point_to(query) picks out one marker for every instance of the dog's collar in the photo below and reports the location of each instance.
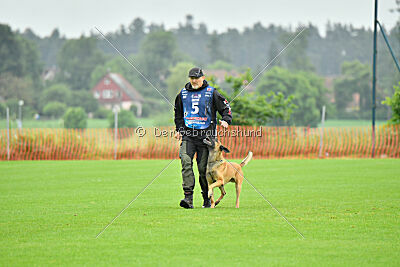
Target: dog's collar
(216, 161)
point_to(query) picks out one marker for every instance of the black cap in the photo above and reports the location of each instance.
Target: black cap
(196, 73)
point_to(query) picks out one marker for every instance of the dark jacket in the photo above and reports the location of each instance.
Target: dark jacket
(219, 103)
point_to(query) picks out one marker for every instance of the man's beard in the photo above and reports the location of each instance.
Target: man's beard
(195, 86)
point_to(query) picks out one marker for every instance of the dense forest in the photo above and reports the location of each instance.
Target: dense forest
(334, 65)
(249, 48)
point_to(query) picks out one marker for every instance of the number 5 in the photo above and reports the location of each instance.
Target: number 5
(195, 107)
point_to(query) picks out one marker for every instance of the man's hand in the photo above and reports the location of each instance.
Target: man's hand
(177, 135)
(224, 124)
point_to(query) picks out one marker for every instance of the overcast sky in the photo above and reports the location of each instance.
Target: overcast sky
(74, 17)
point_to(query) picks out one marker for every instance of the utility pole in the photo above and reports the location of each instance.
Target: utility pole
(374, 80)
(20, 104)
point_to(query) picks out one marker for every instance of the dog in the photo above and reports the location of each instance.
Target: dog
(219, 171)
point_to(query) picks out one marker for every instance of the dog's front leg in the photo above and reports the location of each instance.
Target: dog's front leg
(218, 183)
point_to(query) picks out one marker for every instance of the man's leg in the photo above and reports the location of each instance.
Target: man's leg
(202, 158)
(186, 153)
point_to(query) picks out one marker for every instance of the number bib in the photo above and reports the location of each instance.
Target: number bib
(197, 107)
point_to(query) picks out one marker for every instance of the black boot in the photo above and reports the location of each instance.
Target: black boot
(187, 202)
(206, 201)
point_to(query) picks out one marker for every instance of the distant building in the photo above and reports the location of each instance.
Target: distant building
(49, 73)
(113, 90)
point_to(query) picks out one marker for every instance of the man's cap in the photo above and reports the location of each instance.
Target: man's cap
(196, 73)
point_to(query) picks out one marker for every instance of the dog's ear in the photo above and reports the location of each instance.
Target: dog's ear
(222, 148)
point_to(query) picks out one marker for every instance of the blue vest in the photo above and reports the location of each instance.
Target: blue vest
(197, 107)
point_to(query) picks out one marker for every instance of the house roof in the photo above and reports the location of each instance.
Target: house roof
(125, 86)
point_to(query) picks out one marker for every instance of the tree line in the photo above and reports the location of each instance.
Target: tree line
(290, 92)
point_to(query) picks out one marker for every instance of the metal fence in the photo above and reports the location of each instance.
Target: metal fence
(158, 143)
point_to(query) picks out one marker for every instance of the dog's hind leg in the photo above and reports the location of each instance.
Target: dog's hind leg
(223, 193)
(212, 202)
(238, 185)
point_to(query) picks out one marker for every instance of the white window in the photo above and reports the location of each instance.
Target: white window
(107, 94)
(106, 81)
(96, 94)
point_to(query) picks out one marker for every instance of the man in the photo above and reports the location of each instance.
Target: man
(196, 109)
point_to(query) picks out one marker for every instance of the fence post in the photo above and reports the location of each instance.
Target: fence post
(8, 133)
(321, 141)
(116, 109)
(374, 79)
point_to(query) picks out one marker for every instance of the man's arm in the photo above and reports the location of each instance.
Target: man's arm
(223, 107)
(179, 123)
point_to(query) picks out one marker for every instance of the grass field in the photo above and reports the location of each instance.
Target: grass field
(348, 211)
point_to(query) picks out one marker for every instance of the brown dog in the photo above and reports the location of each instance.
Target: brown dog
(220, 172)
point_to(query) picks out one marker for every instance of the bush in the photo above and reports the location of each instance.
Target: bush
(126, 119)
(28, 112)
(83, 99)
(54, 109)
(102, 113)
(57, 92)
(152, 106)
(394, 103)
(75, 118)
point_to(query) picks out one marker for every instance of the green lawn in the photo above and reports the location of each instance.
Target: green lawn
(348, 211)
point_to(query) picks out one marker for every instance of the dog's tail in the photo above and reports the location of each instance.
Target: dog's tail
(246, 159)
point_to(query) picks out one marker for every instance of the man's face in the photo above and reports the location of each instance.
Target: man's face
(196, 82)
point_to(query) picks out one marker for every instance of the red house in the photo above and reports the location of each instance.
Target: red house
(113, 90)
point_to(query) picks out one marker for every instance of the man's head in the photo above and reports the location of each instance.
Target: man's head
(196, 77)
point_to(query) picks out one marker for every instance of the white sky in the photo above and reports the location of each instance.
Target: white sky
(74, 17)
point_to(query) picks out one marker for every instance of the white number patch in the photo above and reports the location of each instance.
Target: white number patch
(195, 107)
